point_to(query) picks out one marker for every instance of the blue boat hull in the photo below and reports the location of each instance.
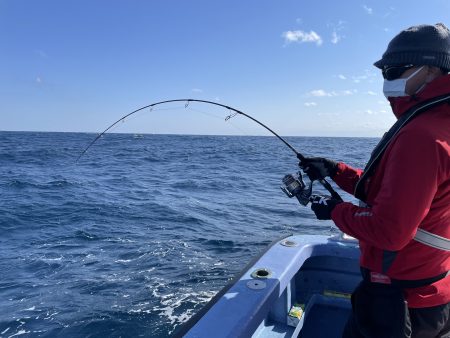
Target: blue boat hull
(314, 273)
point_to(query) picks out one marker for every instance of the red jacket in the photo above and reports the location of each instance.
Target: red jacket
(409, 189)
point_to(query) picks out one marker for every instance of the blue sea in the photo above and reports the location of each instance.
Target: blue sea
(135, 237)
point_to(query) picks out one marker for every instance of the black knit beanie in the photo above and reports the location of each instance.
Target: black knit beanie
(419, 45)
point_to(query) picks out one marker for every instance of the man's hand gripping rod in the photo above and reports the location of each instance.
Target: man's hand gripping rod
(322, 181)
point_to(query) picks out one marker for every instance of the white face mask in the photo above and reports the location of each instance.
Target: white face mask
(397, 87)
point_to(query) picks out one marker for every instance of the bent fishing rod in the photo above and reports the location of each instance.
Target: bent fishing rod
(322, 181)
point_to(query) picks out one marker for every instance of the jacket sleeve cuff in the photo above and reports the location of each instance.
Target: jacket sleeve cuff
(346, 177)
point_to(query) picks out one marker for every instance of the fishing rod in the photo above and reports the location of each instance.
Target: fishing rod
(294, 185)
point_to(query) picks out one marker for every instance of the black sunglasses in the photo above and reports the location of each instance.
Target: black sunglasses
(394, 72)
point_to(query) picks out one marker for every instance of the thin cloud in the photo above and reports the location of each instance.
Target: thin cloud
(335, 38)
(197, 90)
(302, 37)
(342, 77)
(318, 93)
(358, 79)
(38, 80)
(349, 92)
(368, 10)
(371, 93)
(333, 93)
(310, 104)
(368, 76)
(389, 13)
(337, 29)
(41, 53)
(375, 112)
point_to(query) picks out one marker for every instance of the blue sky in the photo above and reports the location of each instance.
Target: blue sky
(301, 67)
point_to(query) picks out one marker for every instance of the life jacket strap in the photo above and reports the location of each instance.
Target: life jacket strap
(432, 240)
(379, 150)
(402, 283)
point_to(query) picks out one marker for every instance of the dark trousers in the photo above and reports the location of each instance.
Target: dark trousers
(430, 322)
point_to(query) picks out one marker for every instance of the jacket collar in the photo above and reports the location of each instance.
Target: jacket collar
(439, 86)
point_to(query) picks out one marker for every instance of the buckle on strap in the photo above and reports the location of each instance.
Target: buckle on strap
(432, 240)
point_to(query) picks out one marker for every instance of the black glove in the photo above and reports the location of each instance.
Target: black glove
(317, 168)
(323, 206)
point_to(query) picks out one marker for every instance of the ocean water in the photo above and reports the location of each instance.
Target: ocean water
(134, 238)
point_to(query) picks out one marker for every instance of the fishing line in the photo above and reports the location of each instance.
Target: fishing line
(234, 113)
(227, 119)
(205, 113)
(145, 113)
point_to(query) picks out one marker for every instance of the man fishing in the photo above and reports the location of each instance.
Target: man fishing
(403, 226)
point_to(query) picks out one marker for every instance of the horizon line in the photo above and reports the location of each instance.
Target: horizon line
(177, 134)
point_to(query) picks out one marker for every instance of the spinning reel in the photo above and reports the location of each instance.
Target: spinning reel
(294, 186)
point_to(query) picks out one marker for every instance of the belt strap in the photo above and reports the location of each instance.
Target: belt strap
(403, 283)
(432, 240)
